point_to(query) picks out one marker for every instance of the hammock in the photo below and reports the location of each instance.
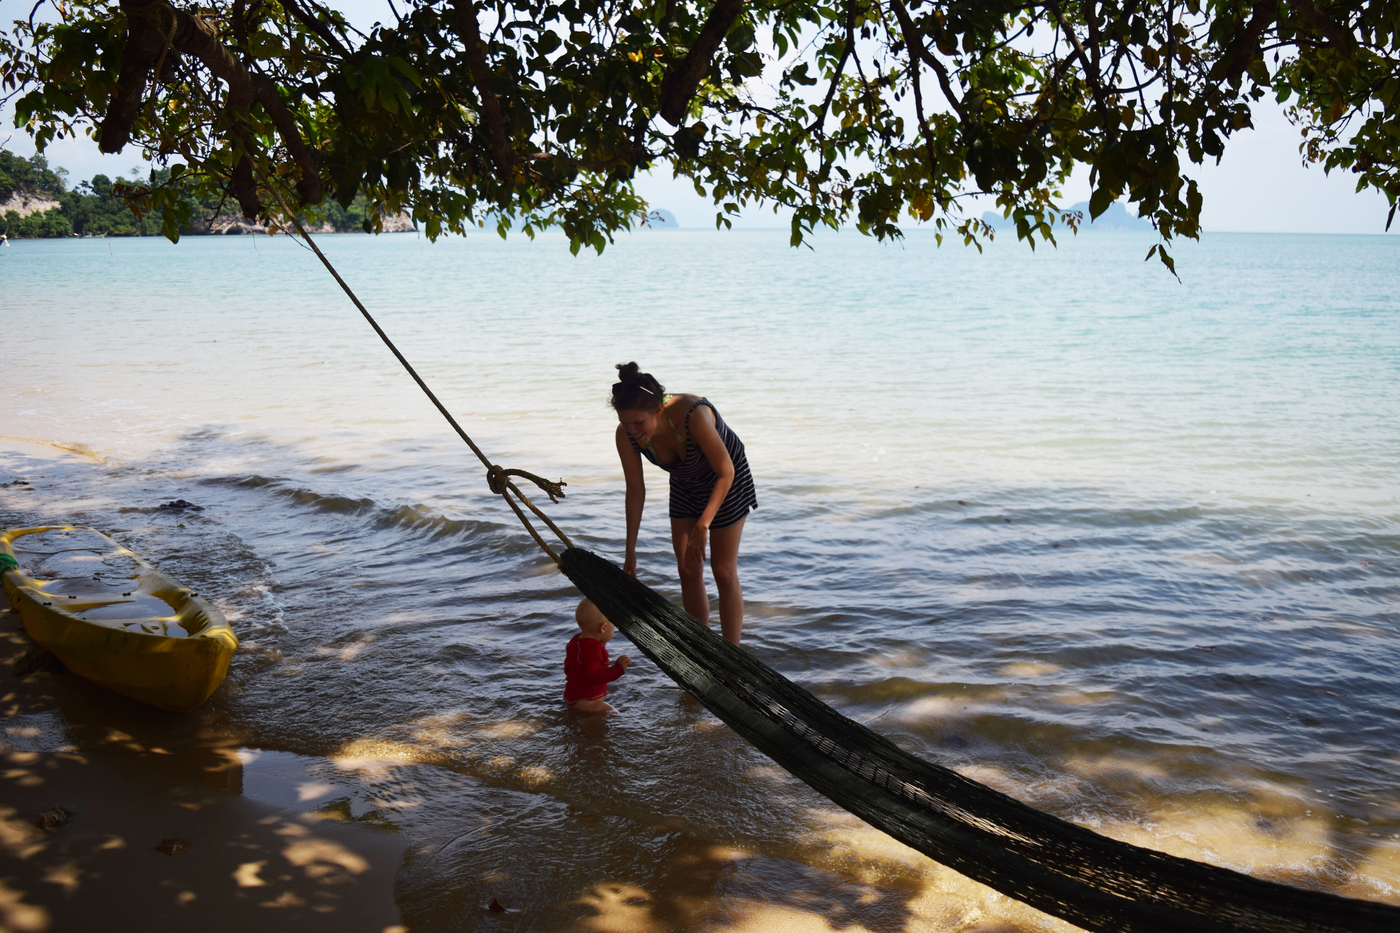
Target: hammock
(1053, 865)
(1074, 873)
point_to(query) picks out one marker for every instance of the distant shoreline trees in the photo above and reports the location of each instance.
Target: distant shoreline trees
(95, 208)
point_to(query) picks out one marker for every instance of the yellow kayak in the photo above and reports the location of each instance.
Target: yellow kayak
(113, 618)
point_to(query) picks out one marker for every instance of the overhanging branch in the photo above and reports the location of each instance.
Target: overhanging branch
(469, 31)
(914, 42)
(846, 47)
(1245, 45)
(153, 28)
(682, 81)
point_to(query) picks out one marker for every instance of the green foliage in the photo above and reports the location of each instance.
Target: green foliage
(868, 112)
(93, 211)
(1346, 94)
(28, 176)
(39, 225)
(102, 207)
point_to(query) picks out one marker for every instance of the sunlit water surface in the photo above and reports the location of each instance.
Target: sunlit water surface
(1123, 547)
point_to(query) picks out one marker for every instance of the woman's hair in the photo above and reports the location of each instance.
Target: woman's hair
(635, 390)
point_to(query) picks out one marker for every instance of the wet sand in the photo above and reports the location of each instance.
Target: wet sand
(295, 857)
(235, 864)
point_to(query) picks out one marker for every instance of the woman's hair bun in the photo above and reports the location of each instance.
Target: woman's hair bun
(635, 390)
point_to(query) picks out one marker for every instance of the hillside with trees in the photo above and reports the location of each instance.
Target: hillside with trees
(29, 198)
(36, 202)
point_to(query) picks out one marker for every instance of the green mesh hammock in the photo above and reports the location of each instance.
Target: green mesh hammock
(1090, 880)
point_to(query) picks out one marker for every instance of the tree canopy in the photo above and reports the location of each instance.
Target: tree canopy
(872, 112)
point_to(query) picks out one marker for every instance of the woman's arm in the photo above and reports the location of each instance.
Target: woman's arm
(706, 437)
(636, 495)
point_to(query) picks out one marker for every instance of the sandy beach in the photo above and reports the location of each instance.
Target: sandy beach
(134, 779)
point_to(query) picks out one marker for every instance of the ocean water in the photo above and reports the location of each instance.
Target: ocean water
(1121, 546)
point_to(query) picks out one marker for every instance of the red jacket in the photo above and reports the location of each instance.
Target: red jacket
(587, 672)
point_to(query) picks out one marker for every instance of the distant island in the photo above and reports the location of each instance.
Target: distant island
(658, 218)
(1115, 218)
(36, 203)
(661, 219)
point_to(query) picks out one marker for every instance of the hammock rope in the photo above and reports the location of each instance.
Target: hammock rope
(1056, 866)
(498, 478)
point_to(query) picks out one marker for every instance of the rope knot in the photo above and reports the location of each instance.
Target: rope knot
(498, 478)
(498, 481)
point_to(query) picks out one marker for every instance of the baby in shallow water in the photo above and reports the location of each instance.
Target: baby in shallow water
(587, 672)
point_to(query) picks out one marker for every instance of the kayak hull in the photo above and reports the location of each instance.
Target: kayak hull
(127, 655)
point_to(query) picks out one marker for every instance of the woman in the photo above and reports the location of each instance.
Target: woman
(711, 489)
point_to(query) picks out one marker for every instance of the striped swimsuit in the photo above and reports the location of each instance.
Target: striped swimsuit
(693, 479)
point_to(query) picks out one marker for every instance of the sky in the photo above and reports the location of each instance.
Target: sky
(1259, 186)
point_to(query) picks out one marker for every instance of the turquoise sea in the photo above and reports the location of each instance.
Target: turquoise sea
(1122, 546)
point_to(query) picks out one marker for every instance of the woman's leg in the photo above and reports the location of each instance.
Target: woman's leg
(693, 596)
(724, 564)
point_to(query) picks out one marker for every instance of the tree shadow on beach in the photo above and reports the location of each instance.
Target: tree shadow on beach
(138, 823)
(706, 886)
(633, 878)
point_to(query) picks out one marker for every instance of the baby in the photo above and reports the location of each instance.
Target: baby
(586, 669)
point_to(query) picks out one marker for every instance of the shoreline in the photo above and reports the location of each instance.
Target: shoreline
(1005, 235)
(361, 840)
(131, 778)
(135, 779)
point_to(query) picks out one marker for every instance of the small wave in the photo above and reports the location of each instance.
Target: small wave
(251, 481)
(425, 521)
(431, 523)
(72, 447)
(902, 689)
(210, 434)
(328, 502)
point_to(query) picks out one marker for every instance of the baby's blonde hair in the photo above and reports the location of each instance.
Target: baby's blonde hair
(589, 617)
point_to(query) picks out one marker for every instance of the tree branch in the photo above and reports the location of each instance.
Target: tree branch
(682, 81)
(308, 19)
(840, 67)
(153, 27)
(1091, 74)
(245, 187)
(913, 44)
(1091, 22)
(469, 30)
(598, 165)
(914, 41)
(1337, 34)
(1246, 43)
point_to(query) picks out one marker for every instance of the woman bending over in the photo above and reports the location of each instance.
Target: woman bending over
(711, 489)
